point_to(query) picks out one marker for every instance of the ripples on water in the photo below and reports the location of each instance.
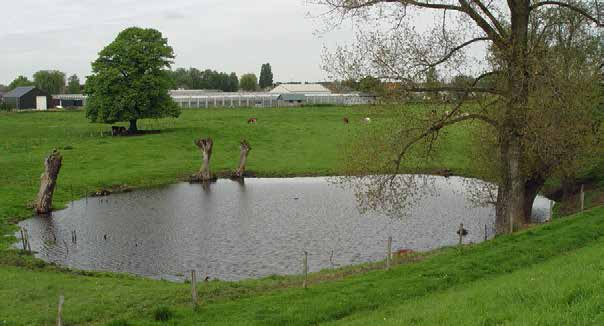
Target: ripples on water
(232, 231)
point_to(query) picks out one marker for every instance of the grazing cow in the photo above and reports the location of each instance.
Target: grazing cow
(252, 120)
(403, 252)
(345, 120)
(367, 120)
(118, 131)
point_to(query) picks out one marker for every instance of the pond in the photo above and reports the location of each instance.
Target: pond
(232, 231)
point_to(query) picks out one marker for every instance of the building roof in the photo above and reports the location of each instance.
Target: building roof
(19, 91)
(301, 88)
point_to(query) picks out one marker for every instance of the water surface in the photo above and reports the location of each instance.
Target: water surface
(233, 231)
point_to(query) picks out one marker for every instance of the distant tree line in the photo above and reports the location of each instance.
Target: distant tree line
(194, 78)
(55, 82)
(50, 81)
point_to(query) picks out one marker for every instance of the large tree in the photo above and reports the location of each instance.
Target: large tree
(50, 81)
(20, 81)
(248, 82)
(130, 80)
(521, 84)
(73, 85)
(266, 76)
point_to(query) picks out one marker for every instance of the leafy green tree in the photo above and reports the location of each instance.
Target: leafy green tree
(370, 84)
(266, 76)
(4, 88)
(73, 85)
(248, 82)
(20, 81)
(181, 78)
(50, 81)
(130, 80)
(233, 82)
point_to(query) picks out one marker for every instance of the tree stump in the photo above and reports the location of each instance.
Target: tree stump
(245, 149)
(205, 147)
(48, 181)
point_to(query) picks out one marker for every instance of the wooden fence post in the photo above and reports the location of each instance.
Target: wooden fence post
(194, 287)
(460, 231)
(551, 210)
(486, 235)
(305, 269)
(582, 198)
(23, 240)
(389, 253)
(60, 311)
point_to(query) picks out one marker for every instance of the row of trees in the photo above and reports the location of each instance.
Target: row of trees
(194, 78)
(50, 81)
(54, 81)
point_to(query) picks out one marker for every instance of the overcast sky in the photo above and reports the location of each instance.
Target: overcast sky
(235, 35)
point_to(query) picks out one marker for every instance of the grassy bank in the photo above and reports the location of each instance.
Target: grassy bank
(529, 260)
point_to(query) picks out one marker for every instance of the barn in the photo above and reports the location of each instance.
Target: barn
(28, 97)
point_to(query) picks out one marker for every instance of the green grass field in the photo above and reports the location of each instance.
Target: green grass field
(519, 279)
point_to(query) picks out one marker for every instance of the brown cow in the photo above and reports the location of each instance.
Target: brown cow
(252, 120)
(118, 131)
(345, 120)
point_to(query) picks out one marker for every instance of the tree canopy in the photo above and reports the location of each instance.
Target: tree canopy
(20, 81)
(193, 78)
(73, 85)
(266, 76)
(50, 81)
(249, 82)
(130, 79)
(525, 87)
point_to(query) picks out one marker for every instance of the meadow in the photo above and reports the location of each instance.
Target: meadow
(496, 282)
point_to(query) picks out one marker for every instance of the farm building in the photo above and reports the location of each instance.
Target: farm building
(28, 97)
(69, 100)
(305, 89)
(291, 99)
(210, 99)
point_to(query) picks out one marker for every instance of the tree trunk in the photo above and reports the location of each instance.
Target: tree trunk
(531, 189)
(511, 198)
(245, 148)
(205, 146)
(133, 128)
(510, 195)
(48, 181)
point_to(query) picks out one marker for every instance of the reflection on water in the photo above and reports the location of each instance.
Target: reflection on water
(230, 230)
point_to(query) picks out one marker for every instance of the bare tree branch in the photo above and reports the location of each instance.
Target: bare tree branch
(492, 18)
(569, 6)
(483, 24)
(351, 5)
(458, 48)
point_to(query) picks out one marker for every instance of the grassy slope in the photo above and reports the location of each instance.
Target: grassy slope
(568, 290)
(503, 263)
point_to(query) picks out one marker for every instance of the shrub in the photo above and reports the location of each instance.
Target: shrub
(162, 313)
(119, 322)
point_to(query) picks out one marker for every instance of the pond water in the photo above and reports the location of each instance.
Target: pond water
(232, 231)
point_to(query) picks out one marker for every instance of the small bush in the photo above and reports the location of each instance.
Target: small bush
(119, 322)
(5, 107)
(162, 313)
